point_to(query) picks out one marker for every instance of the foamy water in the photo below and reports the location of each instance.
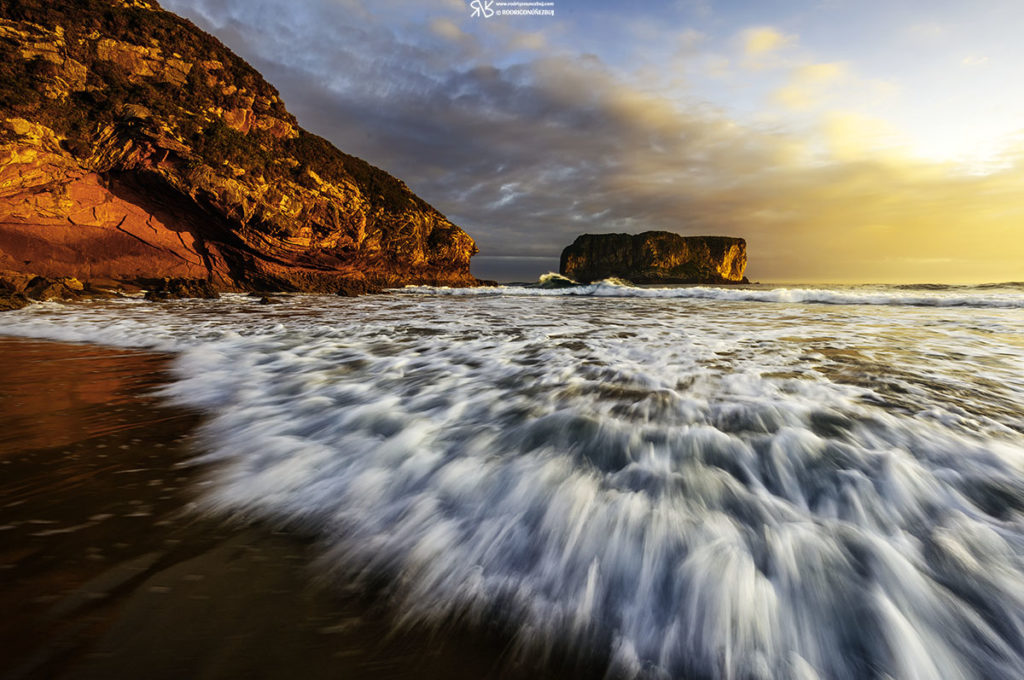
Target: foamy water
(686, 482)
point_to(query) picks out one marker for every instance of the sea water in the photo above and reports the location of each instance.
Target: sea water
(742, 482)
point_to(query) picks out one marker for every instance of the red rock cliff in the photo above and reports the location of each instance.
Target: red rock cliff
(656, 257)
(133, 145)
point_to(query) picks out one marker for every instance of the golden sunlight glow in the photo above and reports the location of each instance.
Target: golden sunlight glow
(980, 145)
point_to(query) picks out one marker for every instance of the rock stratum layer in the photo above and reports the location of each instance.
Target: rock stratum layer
(135, 146)
(655, 257)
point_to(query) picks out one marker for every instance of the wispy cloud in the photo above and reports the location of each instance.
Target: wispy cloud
(764, 39)
(807, 83)
(446, 28)
(928, 30)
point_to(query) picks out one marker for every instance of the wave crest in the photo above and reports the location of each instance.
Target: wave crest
(998, 297)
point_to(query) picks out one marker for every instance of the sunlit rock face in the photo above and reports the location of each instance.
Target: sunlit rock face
(134, 145)
(656, 257)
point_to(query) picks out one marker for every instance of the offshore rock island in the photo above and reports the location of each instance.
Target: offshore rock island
(134, 146)
(655, 257)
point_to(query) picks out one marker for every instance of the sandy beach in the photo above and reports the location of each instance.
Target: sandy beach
(107, 573)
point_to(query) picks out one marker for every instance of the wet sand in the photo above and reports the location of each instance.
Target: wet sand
(106, 570)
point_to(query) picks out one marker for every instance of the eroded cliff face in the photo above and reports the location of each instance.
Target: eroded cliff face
(134, 146)
(656, 257)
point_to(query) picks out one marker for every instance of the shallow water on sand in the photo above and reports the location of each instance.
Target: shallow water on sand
(685, 481)
(105, 573)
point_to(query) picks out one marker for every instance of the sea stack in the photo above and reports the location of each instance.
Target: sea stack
(134, 146)
(655, 257)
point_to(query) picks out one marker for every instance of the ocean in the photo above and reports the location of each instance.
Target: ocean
(736, 482)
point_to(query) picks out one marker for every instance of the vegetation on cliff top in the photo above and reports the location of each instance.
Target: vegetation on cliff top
(194, 104)
(655, 257)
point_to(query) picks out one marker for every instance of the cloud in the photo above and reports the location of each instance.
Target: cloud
(807, 84)
(854, 136)
(764, 39)
(698, 8)
(446, 28)
(528, 153)
(690, 41)
(821, 73)
(509, 38)
(528, 41)
(928, 31)
(765, 47)
(795, 97)
(974, 60)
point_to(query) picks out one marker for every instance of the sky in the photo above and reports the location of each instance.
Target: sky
(846, 140)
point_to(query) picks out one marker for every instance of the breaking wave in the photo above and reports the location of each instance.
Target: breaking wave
(1006, 295)
(699, 490)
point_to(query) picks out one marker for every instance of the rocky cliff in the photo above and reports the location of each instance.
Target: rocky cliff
(134, 146)
(656, 257)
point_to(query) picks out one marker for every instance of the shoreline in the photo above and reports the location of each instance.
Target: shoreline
(108, 573)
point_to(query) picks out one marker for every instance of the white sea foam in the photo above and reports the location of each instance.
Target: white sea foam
(1010, 297)
(710, 488)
